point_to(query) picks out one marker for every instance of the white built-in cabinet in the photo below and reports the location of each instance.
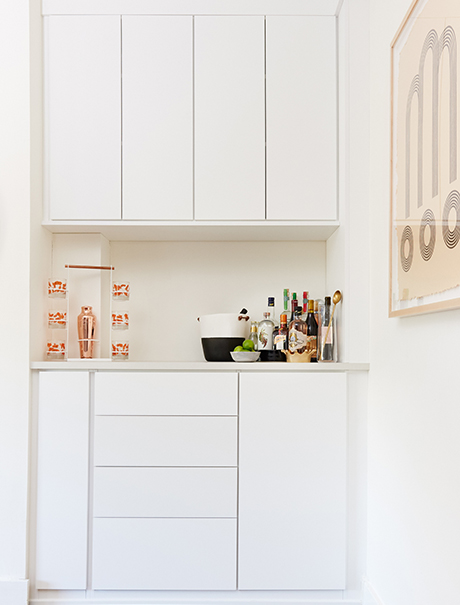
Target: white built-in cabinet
(83, 117)
(62, 481)
(190, 118)
(229, 118)
(292, 481)
(157, 67)
(165, 481)
(191, 481)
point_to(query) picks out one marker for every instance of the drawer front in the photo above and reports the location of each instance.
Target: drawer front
(165, 492)
(164, 554)
(170, 394)
(165, 441)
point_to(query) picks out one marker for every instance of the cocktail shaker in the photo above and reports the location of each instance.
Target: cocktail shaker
(86, 332)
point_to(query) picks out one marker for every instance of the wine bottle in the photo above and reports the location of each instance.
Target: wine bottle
(312, 330)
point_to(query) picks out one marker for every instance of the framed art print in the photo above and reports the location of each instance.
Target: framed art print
(425, 175)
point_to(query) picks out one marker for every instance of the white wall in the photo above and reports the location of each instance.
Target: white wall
(414, 411)
(173, 283)
(14, 271)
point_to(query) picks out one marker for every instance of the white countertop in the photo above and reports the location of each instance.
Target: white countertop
(196, 366)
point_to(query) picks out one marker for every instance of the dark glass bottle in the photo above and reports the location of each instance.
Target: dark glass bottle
(293, 308)
(312, 330)
(327, 345)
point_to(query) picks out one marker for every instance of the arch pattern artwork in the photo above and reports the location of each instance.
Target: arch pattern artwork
(425, 188)
(428, 220)
(451, 238)
(448, 41)
(407, 236)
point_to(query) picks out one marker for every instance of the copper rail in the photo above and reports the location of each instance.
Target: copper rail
(109, 268)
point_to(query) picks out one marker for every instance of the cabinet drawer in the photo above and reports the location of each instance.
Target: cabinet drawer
(165, 441)
(170, 394)
(164, 554)
(165, 492)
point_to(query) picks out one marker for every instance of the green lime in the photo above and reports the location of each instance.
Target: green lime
(248, 345)
(238, 348)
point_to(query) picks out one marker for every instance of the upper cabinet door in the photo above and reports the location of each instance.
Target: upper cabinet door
(301, 118)
(83, 117)
(229, 118)
(157, 117)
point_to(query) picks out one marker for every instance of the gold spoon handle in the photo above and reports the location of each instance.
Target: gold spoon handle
(327, 331)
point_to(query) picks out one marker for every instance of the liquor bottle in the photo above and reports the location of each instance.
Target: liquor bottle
(253, 335)
(286, 300)
(297, 334)
(280, 335)
(312, 330)
(319, 304)
(266, 327)
(326, 349)
(305, 306)
(293, 308)
(271, 309)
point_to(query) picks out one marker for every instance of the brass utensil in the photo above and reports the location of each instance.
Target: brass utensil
(335, 299)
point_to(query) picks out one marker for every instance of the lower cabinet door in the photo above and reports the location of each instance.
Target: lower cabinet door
(164, 554)
(292, 481)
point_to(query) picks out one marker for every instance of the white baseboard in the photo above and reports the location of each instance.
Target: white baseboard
(254, 598)
(14, 592)
(370, 596)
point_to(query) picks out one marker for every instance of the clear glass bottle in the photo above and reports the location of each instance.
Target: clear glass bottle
(280, 335)
(271, 310)
(327, 336)
(265, 335)
(253, 334)
(312, 330)
(297, 334)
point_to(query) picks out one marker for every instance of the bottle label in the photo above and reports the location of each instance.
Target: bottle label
(297, 340)
(280, 342)
(329, 336)
(312, 345)
(265, 338)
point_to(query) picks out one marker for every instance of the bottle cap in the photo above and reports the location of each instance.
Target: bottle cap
(294, 296)
(311, 305)
(305, 295)
(283, 318)
(271, 301)
(298, 310)
(327, 300)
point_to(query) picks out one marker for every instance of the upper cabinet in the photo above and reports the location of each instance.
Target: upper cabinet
(191, 118)
(83, 117)
(301, 118)
(157, 117)
(229, 118)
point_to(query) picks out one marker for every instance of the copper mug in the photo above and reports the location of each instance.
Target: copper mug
(86, 332)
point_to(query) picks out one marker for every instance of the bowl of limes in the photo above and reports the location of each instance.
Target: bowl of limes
(245, 352)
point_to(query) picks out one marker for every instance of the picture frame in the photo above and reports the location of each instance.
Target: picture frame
(425, 174)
